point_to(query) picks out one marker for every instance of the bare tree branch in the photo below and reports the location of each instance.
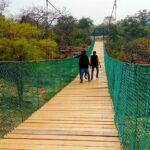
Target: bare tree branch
(3, 5)
(40, 16)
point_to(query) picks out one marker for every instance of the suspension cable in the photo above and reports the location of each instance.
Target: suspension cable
(54, 7)
(46, 27)
(113, 9)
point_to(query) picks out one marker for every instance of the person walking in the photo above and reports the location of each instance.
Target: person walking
(94, 63)
(84, 66)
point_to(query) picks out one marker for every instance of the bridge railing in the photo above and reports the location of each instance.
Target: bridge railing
(129, 86)
(26, 86)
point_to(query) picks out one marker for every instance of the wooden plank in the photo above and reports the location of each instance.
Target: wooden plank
(59, 142)
(70, 122)
(108, 133)
(63, 125)
(52, 147)
(63, 137)
(74, 119)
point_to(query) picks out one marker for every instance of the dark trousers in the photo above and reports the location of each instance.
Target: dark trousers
(92, 72)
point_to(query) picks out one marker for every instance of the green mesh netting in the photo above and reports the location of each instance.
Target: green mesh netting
(129, 86)
(26, 86)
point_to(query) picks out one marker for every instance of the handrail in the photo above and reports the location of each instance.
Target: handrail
(26, 86)
(129, 87)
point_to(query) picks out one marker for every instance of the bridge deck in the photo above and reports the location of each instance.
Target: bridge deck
(80, 117)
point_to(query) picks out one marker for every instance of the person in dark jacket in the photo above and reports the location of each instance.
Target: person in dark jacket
(94, 64)
(84, 66)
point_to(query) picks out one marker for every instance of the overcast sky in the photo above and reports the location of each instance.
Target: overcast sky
(97, 10)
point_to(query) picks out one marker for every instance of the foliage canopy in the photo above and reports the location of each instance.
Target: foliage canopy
(130, 38)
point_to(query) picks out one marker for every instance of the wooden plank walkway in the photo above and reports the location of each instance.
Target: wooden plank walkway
(80, 117)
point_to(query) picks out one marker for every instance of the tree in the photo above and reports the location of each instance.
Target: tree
(39, 16)
(65, 30)
(131, 37)
(85, 24)
(109, 20)
(3, 5)
(20, 42)
(143, 17)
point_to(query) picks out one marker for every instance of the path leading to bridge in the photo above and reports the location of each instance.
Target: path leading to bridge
(80, 117)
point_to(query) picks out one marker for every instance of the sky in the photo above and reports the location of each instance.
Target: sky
(97, 10)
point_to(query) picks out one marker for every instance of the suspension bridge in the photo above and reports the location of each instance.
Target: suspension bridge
(43, 105)
(78, 117)
(109, 113)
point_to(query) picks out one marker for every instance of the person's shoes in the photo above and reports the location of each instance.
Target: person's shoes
(81, 81)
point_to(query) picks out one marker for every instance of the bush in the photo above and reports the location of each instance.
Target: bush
(21, 42)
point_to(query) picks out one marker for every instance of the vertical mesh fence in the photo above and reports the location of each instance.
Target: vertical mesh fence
(129, 86)
(26, 86)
